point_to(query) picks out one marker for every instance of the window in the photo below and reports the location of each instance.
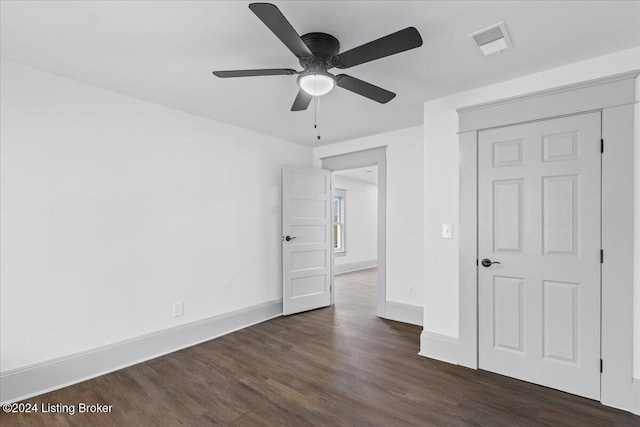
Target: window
(339, 222)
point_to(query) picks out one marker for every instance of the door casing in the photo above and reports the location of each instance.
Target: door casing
(614, 96)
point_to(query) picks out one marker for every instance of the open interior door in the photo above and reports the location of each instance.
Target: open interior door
(306, 238)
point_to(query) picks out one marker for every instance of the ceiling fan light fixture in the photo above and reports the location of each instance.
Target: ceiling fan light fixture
(316, 83)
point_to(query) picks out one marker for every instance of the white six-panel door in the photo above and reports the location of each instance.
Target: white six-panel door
(306, 238)
(539, 217)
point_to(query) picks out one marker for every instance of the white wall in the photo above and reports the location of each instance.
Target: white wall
(362, 221)
(114, 208)
(441, 182)
(404, 207)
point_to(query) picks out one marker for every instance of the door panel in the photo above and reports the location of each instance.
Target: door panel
(560, 320)
(306, 219)
(508, 215)
(539, 217)
(507, 312)
(559, 214)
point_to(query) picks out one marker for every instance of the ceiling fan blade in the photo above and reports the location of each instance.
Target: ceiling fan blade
(254, 73)
(302, 101)
(278, 24)
(365, 89)
(406, 39)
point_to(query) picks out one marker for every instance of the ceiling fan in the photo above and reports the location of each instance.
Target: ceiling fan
(319, 52)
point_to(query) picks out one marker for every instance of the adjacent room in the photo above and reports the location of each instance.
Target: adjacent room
(386, 213)
(355, 238)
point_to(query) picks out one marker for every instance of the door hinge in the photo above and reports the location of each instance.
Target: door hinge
(601, 256)
(601, 366)
(602, 145)
(477, 262)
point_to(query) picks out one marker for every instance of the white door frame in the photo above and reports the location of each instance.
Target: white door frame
(614, 96)
(360, 159)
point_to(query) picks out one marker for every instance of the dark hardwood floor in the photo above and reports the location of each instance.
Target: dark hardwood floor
(334, 366)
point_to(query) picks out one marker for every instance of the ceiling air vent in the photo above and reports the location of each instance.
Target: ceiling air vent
(493, 39)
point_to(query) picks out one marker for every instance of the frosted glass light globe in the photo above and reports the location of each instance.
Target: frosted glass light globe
(316, 83)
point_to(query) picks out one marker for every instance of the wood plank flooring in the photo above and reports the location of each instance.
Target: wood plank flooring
(334, 366)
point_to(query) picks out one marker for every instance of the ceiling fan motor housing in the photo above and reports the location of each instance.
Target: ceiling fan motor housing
(324, 47)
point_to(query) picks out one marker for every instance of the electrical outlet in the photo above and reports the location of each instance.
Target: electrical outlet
(412, 290)
(178, 309)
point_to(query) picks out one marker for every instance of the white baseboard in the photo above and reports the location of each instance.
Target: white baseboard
(635, 396)
(21, 383)
(355, 266)
(439, 347)
(405, 313)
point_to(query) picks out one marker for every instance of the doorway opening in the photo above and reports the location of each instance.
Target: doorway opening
(355, 236)
(370, 159)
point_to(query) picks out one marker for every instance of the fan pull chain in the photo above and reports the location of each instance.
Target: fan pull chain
(317, 113)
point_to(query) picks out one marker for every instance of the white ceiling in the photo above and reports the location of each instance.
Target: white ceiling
(367, 174)
(164, 52)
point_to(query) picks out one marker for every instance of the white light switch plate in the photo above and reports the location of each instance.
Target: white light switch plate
(447, 231)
